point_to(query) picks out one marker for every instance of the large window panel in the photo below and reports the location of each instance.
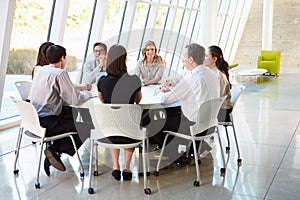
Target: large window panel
(76, 34)
(30, 28)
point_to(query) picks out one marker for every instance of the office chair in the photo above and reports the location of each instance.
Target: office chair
(23, 88)
(117, 120)
(235, 94)
(31, 128)
(206, 119)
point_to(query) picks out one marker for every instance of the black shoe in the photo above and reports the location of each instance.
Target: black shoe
(47, 166)
(127, 175)
(54, 159)
(116, 174)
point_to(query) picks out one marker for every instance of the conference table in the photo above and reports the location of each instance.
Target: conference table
(151, 99)
(154, 112)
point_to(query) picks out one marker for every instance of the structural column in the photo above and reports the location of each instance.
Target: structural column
(6, 23)
(267, 26)
(208, 22)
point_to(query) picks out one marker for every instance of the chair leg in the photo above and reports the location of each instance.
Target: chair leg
(239, 160)
(146, 189)
(16, 171)
(90, 189)
(197, 182)
(228, 141)
(37, 185)
(147, 156)
(96, 172)
(76, 150)
(156, 173)
(221, 147)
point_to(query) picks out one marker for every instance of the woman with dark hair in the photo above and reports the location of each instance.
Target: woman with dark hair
(121, 88)
(151, 68)
(41, 59)
(214, 59)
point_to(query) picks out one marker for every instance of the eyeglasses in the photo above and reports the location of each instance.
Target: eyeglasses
(99, 51)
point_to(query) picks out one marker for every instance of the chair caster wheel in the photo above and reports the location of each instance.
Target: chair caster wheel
(148, 173)
(141, 174)
(227, 149)
(156, 173)
(239, 161)
(16, 172)
(37, 186)
(81, 174)
(212, 137)
(96, 173)
(91, 191)
(147, 191)
(196, 183)
(222, 170)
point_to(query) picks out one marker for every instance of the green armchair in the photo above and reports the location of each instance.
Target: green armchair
(269, 60)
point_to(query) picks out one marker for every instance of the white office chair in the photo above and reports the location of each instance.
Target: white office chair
(117, 120)
(206, 119)
(235, 94)
(23, 88)
(30, 127)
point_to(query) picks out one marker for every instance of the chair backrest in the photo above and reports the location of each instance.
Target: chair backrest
(207, 115)
(23, 88)
(117, 120)
(270, 55)
(235, 92)
(29, 118)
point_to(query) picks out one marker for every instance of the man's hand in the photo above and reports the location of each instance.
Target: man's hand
(102, 61)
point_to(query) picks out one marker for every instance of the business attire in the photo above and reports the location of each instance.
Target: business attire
(149, 73)
(226, 107)
(195, 88)
(92, 73)
(119, 90)
(51, 89)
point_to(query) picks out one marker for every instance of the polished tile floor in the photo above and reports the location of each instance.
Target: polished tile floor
(267, 120)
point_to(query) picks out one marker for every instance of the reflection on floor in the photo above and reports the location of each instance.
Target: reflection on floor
(267, 122)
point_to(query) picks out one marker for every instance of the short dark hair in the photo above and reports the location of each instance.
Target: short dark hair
(100, 44)
(197, 52)
(116, 61)
(55, 52)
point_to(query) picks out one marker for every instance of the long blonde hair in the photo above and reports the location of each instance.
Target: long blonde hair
(157, 57)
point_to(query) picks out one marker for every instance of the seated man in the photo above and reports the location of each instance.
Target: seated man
(95, 68)
(198, 86)
(51, 89)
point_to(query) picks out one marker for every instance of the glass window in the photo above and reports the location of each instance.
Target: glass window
(76, 33)
(31, 17)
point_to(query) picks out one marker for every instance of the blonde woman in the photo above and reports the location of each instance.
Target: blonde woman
(151, 67)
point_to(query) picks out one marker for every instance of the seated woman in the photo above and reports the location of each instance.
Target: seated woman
(214, 60)
(151, 68)
(119, 87)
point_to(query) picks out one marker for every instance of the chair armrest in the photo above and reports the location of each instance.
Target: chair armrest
(260, 58)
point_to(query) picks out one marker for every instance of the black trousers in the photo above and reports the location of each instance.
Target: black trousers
(66, 122)
(173, 120)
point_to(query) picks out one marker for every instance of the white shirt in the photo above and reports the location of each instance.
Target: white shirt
(224, 88)
(51, 88)
(194, 89)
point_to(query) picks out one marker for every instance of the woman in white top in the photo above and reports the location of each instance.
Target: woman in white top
(151, 68)
(214, 60)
